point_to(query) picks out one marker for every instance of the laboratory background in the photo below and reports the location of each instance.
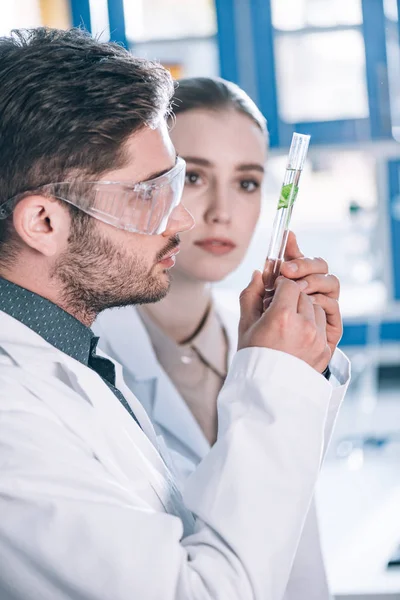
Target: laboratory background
(331, 69)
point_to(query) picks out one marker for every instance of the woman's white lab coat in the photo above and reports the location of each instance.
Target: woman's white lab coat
(124, 337)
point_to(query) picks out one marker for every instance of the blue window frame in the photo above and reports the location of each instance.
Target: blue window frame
(243, 25)
(247, 44)
(394, 224)
(116, 17)
(80, 11)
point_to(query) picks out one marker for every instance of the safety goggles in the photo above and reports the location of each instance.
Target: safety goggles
(143, 207)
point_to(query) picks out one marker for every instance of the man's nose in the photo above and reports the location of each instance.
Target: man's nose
(180, 220)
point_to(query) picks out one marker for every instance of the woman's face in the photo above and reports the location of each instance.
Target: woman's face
(225, 152)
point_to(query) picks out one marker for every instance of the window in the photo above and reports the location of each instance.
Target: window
(289, 15)
(169, 19)
(321, 76)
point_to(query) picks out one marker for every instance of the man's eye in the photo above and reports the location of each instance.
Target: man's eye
(249, 185)
(192, 178)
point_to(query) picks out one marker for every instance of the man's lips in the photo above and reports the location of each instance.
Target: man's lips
(170, 257)
(216, 246)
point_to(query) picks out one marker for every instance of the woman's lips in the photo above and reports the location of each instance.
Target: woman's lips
(216, 246)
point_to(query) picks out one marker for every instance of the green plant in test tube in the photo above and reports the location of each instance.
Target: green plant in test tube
(288, 195)
(280, 231)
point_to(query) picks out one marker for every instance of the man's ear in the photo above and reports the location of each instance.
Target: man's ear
(42, 223)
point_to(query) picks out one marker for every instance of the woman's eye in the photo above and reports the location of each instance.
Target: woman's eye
(249, 185)
(192, 178)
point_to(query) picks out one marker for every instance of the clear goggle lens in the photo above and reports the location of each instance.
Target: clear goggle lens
(140, 208)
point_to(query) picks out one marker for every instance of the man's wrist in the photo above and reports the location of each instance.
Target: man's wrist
(327, 373)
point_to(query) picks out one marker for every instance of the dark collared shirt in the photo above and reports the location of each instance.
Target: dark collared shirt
(60, 329)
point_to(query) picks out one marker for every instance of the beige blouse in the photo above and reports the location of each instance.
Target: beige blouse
(197, 367)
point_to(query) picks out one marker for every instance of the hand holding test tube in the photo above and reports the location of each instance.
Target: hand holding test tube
(276, 252)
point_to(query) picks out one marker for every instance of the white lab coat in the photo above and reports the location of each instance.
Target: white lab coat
(87, 507)
(124, 337)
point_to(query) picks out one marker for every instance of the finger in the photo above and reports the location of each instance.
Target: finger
(267, 298)
(286, 295)
(292, 249)
(305, 308)
(251, 302)
(302, 267)
(328, 285)
(320, 318)
(331, 308)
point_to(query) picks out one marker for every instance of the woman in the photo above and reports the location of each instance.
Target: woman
(176, 353)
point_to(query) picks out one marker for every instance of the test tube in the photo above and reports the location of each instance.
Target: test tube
(280, 231)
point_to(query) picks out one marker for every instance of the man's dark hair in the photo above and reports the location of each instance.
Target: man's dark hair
(67, 105)
(214, 93)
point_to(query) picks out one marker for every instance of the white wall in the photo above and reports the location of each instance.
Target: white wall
(19, 14)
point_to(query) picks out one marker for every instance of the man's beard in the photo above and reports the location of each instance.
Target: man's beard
(96, 275)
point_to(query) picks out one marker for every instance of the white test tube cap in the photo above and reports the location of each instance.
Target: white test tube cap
(298, 151)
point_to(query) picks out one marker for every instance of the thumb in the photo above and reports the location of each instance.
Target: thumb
(292, 249)
(251, 302)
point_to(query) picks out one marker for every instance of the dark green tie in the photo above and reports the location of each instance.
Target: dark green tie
(106, 369)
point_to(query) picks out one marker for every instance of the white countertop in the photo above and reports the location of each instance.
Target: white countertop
(359, 509)
(360, 529)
